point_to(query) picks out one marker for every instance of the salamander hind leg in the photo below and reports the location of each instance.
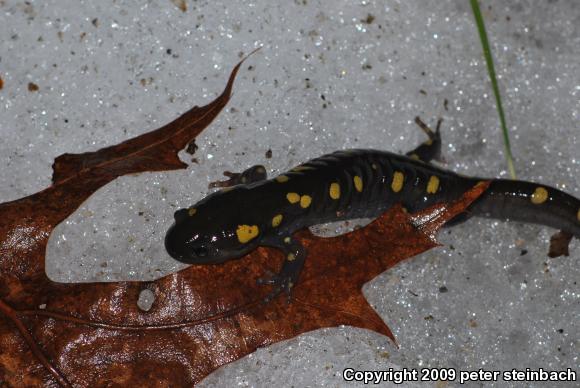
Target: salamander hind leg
(253, 174)
(431, 149)
(286, 279)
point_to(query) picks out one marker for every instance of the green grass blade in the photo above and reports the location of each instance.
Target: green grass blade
(494, 85)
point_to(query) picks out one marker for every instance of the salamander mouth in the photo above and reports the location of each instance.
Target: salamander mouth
(192, 258)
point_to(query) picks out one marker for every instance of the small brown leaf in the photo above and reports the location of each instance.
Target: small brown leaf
(559, 244)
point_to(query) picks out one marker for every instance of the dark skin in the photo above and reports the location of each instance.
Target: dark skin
(253, 211)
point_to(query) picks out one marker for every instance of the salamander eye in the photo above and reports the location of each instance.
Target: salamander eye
(200, 251)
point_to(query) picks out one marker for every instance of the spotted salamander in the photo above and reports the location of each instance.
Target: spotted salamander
(346, 184)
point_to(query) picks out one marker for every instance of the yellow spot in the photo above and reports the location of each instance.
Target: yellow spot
(358, 183)
(305, 201)
(374, 166)
(191, 211)
(428, 142)
(578, 215)
(398, 179)
(539, 196)
(282, 178)
(292, 197)
(291, 257)
(287, 240)
(433, 185)
(276, 220)
(261, 170)
(247, 232)
(334, 190)
(226, 189)
(415, 156)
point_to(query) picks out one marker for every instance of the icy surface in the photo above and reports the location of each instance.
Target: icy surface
(353, 74)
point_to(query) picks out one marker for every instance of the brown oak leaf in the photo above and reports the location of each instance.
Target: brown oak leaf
(87, 335)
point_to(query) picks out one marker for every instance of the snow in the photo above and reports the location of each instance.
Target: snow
(354, 74)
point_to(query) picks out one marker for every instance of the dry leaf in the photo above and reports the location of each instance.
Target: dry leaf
(88, 335)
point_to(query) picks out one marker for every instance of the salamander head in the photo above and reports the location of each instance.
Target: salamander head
(209, 234)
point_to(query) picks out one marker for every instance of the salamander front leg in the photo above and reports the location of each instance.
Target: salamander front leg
(253, 174)
(295, 255)
(431, 149)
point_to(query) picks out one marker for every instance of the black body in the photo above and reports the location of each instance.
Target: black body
(344, 185)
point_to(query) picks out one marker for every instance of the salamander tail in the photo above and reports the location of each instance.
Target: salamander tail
(529, 202)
